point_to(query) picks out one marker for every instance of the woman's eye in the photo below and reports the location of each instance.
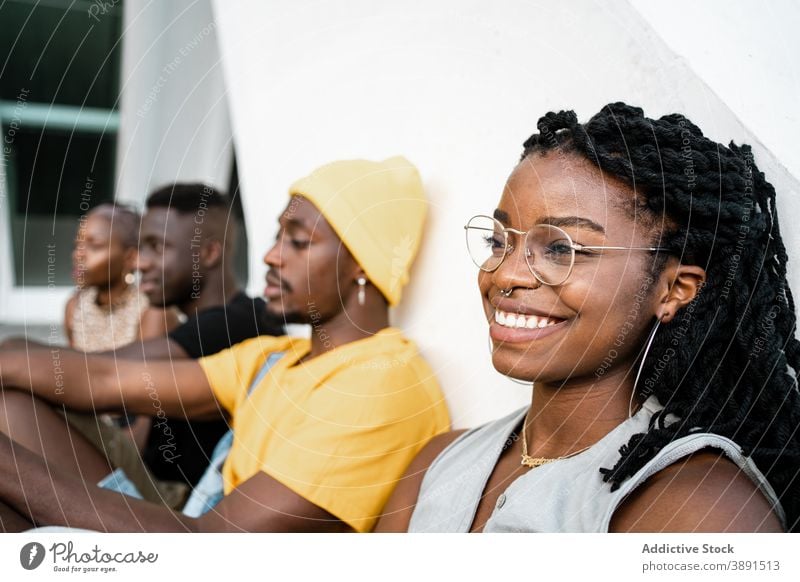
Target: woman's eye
(300, 244)
(559, 247)
(493, 242)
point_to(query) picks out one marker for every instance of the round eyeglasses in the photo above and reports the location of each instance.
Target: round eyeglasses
(549, 251)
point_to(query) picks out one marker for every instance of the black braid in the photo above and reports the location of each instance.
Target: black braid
(728, 362)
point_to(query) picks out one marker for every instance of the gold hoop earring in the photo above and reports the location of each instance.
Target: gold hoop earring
(362, 290)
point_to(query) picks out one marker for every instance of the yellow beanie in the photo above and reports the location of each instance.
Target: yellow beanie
(377, 209)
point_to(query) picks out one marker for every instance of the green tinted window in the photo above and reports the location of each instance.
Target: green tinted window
(64, 52)
(59, 88)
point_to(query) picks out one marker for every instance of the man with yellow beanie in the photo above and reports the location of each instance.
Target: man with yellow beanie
(322, 428)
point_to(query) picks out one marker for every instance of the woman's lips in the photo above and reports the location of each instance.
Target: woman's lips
(522, 334)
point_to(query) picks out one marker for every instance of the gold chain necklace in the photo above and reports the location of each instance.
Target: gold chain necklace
(534, 462)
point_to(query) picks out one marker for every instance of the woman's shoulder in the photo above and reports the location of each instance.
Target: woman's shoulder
(456, 451)
(72, 301)
(397, 513)
(703, 492)
(69, 316)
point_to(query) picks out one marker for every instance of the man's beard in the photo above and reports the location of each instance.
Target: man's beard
(185, 294)
(294, 316)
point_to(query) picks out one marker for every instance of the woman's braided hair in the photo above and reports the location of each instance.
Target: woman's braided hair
(728, 362)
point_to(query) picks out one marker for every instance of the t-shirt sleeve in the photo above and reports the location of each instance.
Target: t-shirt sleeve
(231, 371)
(359, 435)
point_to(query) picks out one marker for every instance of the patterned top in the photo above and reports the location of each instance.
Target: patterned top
(96, 328)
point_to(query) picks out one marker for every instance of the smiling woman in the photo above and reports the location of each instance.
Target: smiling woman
(662, 399)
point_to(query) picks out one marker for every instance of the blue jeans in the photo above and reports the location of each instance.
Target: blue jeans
(207, 493)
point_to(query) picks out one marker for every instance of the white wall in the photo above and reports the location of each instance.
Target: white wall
(751, 64)
(456, 86)
(748, 54)
(173, 114)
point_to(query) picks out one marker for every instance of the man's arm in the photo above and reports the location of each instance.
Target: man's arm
(20, 343)
(99, 383)
(48, 496)
(157, 348)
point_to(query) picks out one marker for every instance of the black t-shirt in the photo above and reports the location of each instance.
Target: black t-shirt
(178, 450)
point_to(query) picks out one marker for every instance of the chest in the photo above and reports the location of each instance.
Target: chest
(506, 471)
(264, 420)
(568, 495)
(97, 328)
(472, 487)
(278, 404)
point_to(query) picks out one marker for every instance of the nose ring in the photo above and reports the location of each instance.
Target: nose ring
(506, 292)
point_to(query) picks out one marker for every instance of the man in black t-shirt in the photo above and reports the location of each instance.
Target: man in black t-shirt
(186, 260)
(178, 450)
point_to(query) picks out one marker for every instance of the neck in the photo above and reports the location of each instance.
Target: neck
(111, 293)
(564, 418)
(218, 289)
(353, 323)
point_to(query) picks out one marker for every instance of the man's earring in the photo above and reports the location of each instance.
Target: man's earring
(362, 290)
(130, 278)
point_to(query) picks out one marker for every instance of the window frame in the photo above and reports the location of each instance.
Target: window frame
(38, 303)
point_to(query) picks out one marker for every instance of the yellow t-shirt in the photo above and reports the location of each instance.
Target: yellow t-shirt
(339, 429)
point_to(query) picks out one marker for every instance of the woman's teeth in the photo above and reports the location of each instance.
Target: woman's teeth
(518, 320)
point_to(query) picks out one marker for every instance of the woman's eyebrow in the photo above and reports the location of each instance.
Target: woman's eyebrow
(501, 215)
(560, 221)
(576, 221)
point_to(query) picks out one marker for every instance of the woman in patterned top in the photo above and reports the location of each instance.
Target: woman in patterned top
(107, 311)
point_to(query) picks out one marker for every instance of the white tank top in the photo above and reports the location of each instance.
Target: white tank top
(568, 495)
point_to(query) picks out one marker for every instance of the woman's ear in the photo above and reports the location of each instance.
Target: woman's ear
(678, 286)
